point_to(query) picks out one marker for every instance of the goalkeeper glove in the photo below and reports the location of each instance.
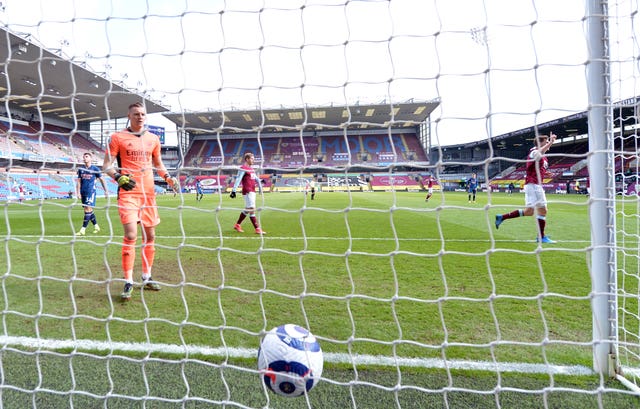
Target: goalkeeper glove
(172, 182)
(126, 182)
(233, 194)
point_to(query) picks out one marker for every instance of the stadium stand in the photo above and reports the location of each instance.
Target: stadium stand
(43, 185)
(14, 147)
(50, 144)
(194, 157)
(294, 151)
(170, 158)
(290, 152)
(30, 144)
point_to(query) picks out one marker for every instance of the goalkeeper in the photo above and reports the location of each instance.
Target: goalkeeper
(137, 152)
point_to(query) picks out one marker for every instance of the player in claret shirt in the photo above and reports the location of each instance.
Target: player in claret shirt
(430, 182)
(248, 179)
(137, 153)
(534, 196)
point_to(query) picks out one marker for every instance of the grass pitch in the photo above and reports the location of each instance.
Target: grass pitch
(370, 274)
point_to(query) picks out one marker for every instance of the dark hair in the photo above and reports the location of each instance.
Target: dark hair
(541, 138)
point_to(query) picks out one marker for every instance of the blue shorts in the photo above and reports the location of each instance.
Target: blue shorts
(88, 200)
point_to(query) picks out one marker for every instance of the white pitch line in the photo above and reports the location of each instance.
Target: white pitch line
(89, 345)
(284, 238)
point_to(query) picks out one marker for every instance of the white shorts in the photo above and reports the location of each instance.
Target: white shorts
(250, 200)
(534, 196)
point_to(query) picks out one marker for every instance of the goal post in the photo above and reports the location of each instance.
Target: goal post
(602, 207)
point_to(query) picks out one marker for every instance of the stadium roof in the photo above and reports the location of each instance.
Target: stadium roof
(575, 124)
(624, 114)
(33, 78)
(374, 116)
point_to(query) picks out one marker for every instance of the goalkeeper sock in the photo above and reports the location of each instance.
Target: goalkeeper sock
(93, 219)
(254, 221)
(128, 257)
(148, 254)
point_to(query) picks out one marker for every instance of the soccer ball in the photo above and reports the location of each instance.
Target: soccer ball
(290, 360)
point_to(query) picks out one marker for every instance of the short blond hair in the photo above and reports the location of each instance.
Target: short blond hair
(136, 105)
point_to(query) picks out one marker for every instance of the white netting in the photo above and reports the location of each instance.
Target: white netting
(625, 147)
(355, 111)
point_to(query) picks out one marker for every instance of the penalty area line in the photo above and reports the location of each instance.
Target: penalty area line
(432, 363)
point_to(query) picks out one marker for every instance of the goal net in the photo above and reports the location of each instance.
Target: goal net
(391, 142)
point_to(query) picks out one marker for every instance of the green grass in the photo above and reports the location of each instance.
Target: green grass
(369, 273)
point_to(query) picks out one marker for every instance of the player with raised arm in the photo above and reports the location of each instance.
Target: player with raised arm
(534, 195)
(430, 181)
(248, 179)
(472, 187)
(137, 153)
(86, 191)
